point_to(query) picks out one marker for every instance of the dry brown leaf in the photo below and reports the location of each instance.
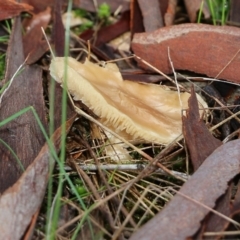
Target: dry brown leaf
(136, 21)
(169, 16)
(30, 188)
(11, 8)
(152, 17)
(58, 32)
(215, 223)
(193, 47)
(26, 90)
(181, 217)
(40, 6)
(33, 44)
(196, 134)
(145, 16)
(201, 144)
(233, 208)
(137, 111)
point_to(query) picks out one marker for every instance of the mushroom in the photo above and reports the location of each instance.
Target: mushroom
(138, 111)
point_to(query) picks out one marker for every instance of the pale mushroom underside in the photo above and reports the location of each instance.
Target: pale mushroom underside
(140, 111)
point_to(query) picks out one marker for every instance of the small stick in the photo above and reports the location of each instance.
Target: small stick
(228, 63)
(45, 36)
(11, 80)
(126, 167)
(175, 77)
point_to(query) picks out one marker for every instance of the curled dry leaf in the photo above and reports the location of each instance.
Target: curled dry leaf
(136, 111)
(193, 47)
(181, 217)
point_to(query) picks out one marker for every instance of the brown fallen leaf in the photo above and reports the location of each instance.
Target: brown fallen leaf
(11, 8)
(232, 211)
(33, 44)
(198, 137)
(136, 23)
(196, 134)
(181, 218)
(58, 31)
(194, 6)
(23, 134)
(193, 47)
(30, 188)
(215, 223)
(152, 17)
(40, 6)
(141, 20)
(169, 16)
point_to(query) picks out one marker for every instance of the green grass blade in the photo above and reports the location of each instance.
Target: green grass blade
(13, 153)
(200, 12)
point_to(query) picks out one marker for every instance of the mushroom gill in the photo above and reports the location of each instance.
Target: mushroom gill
(140, 111)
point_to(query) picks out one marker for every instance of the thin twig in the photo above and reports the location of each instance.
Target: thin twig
(226, 233)
(228, 63)
(158, 71)
(11, 80)
(175, 77)
(208, 79)
(127, 167)
(225, 120)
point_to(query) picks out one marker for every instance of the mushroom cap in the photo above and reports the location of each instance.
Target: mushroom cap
(140, 111)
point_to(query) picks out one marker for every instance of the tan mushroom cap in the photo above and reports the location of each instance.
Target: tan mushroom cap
(147, 112)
